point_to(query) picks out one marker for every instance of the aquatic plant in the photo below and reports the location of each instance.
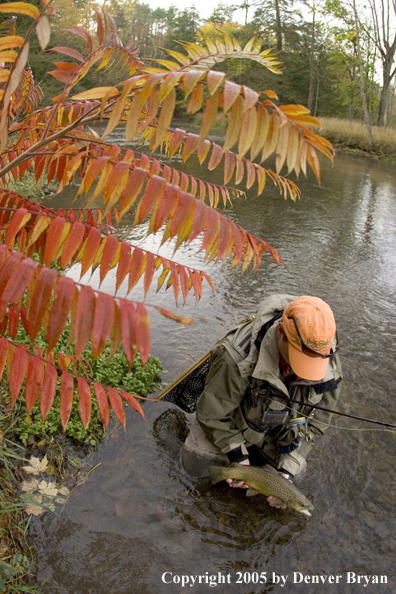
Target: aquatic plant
(58, 144)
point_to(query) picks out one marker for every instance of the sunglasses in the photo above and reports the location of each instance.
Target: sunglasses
(311, 352)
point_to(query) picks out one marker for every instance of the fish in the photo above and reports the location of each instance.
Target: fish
(267, 481)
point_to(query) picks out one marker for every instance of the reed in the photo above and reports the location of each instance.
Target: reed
(353, 134)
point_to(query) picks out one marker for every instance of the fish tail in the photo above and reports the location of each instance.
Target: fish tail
(216, 474)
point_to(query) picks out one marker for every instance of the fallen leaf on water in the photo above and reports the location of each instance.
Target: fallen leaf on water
(29, 486)
(47, 488)
(34, 510)
(64, 491)
(36, 465)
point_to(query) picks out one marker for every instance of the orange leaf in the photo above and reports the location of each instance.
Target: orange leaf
(229, 166)
(54, 236)
(215, 157)
(124, 264)
(19, 219)
(154, 190)
(84, 394)
(84, 318)
(40, 301)
(133, 402)
(17, 284)
(72, 243)
(103, 403)
(149, 272)
(48, 390)
(103, 322)
(132, 189)
(137, 268)
(60, 310)
(116, 404)
(109, 253)
(66, 397)
(169, 314)
(33, 382)
(94, 240)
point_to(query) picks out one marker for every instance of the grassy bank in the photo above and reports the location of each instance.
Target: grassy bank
(351, 134)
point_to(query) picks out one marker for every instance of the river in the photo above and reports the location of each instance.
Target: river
(137, 525)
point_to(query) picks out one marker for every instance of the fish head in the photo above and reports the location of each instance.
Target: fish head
(301, 507)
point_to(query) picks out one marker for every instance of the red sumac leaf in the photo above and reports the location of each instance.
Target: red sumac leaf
(66, 398)
(143, 332)
(103, 322)
(116, 404)
(84, 394)
(84, 318)
(33, 382)
(40, 300)
(19, 368)
(133, 402)
(3, 354)
(103, 403)
(124, 263)
(60, 310)
(17, 284)
(14, 321)
(128, 323)
(48, 390)
(109, 253)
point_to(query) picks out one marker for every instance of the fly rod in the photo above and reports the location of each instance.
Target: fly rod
(334, 412)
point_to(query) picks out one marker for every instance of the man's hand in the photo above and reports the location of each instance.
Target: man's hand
(239, 484)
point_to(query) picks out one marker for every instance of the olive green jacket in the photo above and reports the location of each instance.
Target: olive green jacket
(231, 418)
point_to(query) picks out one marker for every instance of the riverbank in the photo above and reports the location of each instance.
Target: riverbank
(352, 135)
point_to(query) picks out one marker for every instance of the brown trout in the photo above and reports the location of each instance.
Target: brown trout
(266, 481)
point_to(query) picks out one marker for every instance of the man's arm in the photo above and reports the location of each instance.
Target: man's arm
(223, 393)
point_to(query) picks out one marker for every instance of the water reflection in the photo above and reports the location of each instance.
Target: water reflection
(138, 516)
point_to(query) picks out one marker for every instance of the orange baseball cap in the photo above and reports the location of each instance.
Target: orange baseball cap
(314, 320)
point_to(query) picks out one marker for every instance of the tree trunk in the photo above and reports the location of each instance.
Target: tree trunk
(312, 63)
(362, 88)
(384, 99)
(278, 27)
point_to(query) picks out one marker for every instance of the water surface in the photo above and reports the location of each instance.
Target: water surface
(138, 517)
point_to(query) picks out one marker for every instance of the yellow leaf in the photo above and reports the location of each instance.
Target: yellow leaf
(11, 41)
(292, 150)
(133, 116)
(8, 56)
(234, 124)
(294, 110)
(20, 8)
(165, 117)
(272, 138)
(38, 229)
(248, 131)
(263, 121)
(281, 149)
(209, 118)
(116, 115)
(96, 93)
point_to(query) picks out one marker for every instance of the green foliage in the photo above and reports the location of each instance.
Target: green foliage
(112, 372)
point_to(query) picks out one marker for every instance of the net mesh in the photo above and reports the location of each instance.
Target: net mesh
(186, 393)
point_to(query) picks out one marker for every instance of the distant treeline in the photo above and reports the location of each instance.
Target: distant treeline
(316, 45)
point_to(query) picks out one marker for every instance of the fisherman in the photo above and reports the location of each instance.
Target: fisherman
(268, 380)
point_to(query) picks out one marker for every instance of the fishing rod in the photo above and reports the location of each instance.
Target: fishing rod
(334, 412)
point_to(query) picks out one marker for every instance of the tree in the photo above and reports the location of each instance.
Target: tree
(384, 36)
(59, 143)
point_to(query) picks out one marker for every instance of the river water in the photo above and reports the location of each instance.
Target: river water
(138, 523)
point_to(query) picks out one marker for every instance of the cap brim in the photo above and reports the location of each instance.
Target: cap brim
(309, 368)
